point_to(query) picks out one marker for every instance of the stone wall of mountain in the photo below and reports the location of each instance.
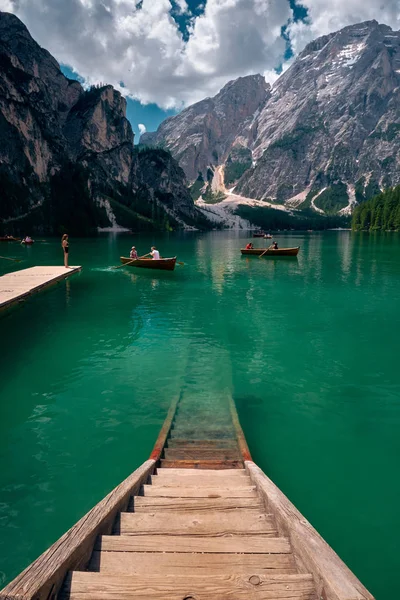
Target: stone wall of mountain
(325, 136)
(203, 134)
(67, 159)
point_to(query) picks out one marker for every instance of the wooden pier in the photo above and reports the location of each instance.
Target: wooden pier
(19, 285)
(197, 521)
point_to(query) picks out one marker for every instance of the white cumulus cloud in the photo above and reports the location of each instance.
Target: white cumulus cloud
(325, 17)
(142, 128)
(139, 44)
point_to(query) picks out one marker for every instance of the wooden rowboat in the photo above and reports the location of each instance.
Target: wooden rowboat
(28, 243)
(164, 264)
(5, 238)
(271, 251)
(258, 235)
(191, 522)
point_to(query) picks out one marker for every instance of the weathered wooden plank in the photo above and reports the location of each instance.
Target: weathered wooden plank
(19, 285)
(147, 504)
(92, 586)
(334, 580)
(164, 432)
(184, 474)
(244, 449)
(176, 443)
(221, 454)
(202, 464)
(181, 563)
(191, 480)
(249, 544)
(200, 492)
(73, 550)
(237, 522)
(204, 433)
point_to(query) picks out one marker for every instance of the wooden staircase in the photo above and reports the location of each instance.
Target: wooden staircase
(197, 521)
(194, 533)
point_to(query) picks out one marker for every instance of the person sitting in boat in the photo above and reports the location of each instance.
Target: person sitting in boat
(133, 253)
(155, 253)
(249, 246)
(275, 246)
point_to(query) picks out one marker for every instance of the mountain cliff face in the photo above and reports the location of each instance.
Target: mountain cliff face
(326, 135)
(204, 134)
(67, 159)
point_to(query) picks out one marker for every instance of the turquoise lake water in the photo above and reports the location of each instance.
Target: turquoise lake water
(307, 347)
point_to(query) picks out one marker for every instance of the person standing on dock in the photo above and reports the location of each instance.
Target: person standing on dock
(65, 247)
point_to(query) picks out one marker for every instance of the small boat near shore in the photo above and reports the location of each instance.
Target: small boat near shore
(164, 264)
(9, 238)
(29, 243)
(258, 234)
(271, 251)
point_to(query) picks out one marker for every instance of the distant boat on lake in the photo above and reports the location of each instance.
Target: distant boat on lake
(271, 251)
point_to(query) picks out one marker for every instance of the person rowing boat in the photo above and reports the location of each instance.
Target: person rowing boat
(154, 253)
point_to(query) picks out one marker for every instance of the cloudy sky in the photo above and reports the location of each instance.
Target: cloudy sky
(165, 54)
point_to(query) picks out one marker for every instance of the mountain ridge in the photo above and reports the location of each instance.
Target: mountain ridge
(325, 136)
(68, 161)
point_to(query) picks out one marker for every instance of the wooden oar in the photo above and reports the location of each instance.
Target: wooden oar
(265, 252)
(14, 259)
(130, 262)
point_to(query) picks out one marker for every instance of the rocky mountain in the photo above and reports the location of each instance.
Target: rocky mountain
(67, 158)
(204, 133)
(325, 136)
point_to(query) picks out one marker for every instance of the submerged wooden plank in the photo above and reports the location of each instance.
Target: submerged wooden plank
(150, 504)
(221, 454)
(19, 285)
(73, 550)
(334, 580)
(178, 563)
(250, 544)
(237, 522)
(202, 464)
(200, 492)
(177, 442)
(92, 586)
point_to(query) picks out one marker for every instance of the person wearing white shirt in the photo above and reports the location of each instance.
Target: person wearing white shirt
(155, 253)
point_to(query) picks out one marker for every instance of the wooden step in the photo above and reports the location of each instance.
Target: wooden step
(81, 585)
(249, 544)
(176, 443)
(231, 522)
(148, 504)
(200, 492)
(203, 433)
(202, 464)
(218, 475)
(191, 481)
(178, 563)
(222, 454)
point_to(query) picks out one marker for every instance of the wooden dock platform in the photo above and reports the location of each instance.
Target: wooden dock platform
(198, 520)
(19, 285)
